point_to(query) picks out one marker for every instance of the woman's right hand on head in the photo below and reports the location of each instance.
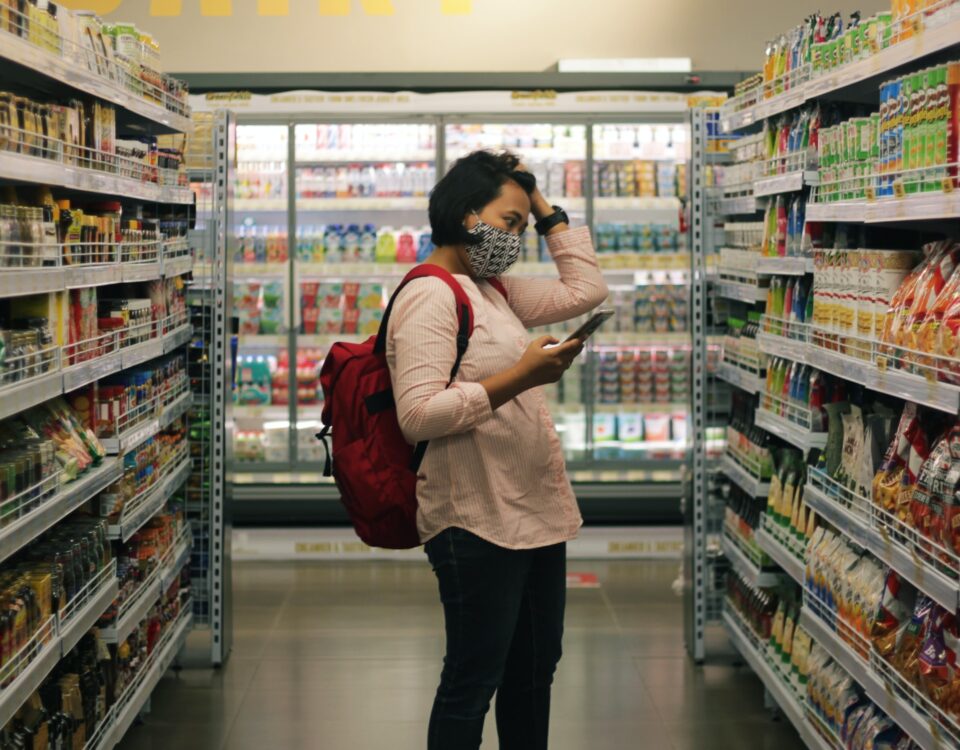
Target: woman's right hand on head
(545, 360)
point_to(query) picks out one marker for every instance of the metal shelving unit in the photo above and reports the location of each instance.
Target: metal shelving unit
(931, 568)
(139, 111)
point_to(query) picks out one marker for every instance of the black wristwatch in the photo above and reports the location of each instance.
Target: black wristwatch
(559, 216)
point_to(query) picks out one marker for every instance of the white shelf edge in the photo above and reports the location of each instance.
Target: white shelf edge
(932, 582)
(745, 566)
(131, 437)
(72, 631)
(126, 622)
(743, 478)
(780, 555)
(779, 346)
(165, 654)
(38, 171)
(787, 430)
(18, 397)
(780, 692)
(14, 695)
(62, 69)
(156, 498)
(928, 42)
(739, 377)
(70, 497)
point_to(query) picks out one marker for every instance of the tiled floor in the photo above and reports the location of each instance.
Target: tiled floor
(336, 656)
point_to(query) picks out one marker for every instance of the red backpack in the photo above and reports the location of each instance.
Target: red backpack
(373, 465)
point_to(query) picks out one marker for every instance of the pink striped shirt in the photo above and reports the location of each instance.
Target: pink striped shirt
(498, 474)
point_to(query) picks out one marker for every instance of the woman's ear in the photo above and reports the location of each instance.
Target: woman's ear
(470, 220)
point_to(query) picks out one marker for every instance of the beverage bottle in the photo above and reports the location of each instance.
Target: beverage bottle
(368, 243)
(351, 244)
(386, 246)
(425, 245)
(333, 244)
(406, 250)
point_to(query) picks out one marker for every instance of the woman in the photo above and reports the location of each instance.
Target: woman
(495, 505)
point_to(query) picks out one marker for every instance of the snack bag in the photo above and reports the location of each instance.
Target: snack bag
(887, 479)
(896, 603)
(925, 505)
(936, 661)
(904, 657)
(939, 271)
(948, 340)
(928, 332)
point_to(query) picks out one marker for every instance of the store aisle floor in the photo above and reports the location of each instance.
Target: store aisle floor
(334, 656)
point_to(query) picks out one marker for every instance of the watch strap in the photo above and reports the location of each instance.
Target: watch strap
(559, 216)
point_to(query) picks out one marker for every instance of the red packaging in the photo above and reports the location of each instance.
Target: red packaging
(351, 291)
(351, 318)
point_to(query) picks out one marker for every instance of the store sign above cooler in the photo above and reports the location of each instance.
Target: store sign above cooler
(406, 102)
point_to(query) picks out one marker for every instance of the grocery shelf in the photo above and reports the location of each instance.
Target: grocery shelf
(175, 409)
(747, 568)
(777, 552)
(926, 577)
(137, 354)
(360, 156)
(916, 207)
(740, 291)
(60, 70)
(792, 432)
(780, 692)
(826, 637)
(35, 660)
(923, 43)
(83, 373)
(129, 705)
(39, 171)
(854, 524)
(136, 607)
(17, 397)
(791, 182)
(266, 412)
(144, 271)
(666, 204)
(141, 509)
(256, 271)
(21, 531)
(131, 437)
(889, 380)
(86, 607)
(781, 346)
(922, 728)
(99, 274)
(748, 381)
(176, 338)
(746, 481)
(739, 206)
(19, 282)
(837, 211)
(785, 266)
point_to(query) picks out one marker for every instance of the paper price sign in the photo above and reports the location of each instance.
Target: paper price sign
(898, 189)
(948, 184)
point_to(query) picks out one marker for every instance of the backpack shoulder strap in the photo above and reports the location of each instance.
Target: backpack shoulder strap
(498, 285)
(464, 310)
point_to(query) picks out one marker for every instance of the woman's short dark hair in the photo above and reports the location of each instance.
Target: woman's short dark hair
(472, 183)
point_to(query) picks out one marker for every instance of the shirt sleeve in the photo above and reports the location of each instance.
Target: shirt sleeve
(580, 288)
(422, 333)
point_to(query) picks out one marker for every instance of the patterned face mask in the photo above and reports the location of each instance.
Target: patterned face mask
(496, 251)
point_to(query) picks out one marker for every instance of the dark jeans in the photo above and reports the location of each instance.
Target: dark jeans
(504, 622)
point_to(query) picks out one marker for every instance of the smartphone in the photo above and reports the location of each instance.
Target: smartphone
(590, 327)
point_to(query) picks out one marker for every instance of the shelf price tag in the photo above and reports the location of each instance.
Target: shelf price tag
(898, 188)
(871, 193)
(948, 184)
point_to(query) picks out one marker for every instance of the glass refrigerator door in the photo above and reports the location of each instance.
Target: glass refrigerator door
(361, 224)
(556, 155)
(641, 359)
(260, 293)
